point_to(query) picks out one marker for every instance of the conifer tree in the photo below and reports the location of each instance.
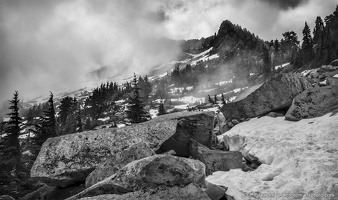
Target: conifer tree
(10, 148)
(136, 112)
(215, 99)
(78, 119)
(307, 45)
(223, 100)
(210, 100)
(161, 109)
(46, 128)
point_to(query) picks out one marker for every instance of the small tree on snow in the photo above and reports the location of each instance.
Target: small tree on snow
(223, 100)
(161, 109)
(210, 99)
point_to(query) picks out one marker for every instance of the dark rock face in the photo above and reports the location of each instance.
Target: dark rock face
(189, 192)
(117, 161)
(196, 125)
(332, 81)
(313, 102)
(54, 193)
(214, 192)
(277, 93)
(6, 197)
(68, 159)
(150, 172)
(216, 160)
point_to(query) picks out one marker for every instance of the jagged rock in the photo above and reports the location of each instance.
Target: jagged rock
(275, 114)
(334, 63)
(332, 81)
(213, 191)
(189, 192)
(54, 193)
(216, 160)
(117, 161)
(237, 143)
(195, 125)
(234, 143)
(313, 102)
(276, 93)
(149, 172)
(70, 158)
(6, 197)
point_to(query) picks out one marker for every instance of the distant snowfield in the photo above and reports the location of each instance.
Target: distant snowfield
(299, 158)
(281, 66)
(200, 54)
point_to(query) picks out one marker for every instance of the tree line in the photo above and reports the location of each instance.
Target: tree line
(45, 122)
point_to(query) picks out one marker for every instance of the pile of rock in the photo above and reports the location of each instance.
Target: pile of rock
(296, 96)
(133, 162)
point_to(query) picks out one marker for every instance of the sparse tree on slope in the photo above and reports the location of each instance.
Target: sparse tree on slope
(161, 109)
(47, 126)
(136, 112)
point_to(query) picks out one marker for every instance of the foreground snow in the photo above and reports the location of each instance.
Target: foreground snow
(300, 159)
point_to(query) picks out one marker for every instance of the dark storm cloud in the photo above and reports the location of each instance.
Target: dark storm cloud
(285, 4)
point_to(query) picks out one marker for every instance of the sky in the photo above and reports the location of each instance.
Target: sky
(55, 45)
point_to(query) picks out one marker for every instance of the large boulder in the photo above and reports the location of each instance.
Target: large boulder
(332, 80)
(196, 125)
(216, 160)
(313, 102)
(150, 172)
(117, 161)
(68, 159)
(215, 192)
(277, 93)
(189, 192)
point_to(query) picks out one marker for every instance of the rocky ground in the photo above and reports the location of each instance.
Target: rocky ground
(258, 153)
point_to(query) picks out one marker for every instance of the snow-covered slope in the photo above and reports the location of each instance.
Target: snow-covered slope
(300, 159)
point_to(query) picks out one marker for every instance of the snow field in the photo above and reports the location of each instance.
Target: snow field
(298, 158)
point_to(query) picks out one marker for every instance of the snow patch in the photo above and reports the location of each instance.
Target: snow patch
(298, 158)
(281, 66)
(200, 54)
(104, 119)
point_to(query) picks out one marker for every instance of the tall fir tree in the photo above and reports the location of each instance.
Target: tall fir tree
(223, 100)
(210, 100)
(136, 112)
(46, 128)
(215, 99)
(307, 45)
(78, 119)
(318, 40)
(11, 156)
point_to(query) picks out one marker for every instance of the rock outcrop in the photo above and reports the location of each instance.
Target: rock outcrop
(70, 158)
(6, 197)
(276, 93)
(117, 161)
(189, 192)
(332, 80)
(216, 160)
(313, 102)
(150, 172)
(214, 192)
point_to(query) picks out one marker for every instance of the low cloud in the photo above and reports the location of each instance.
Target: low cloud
(59, 44)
